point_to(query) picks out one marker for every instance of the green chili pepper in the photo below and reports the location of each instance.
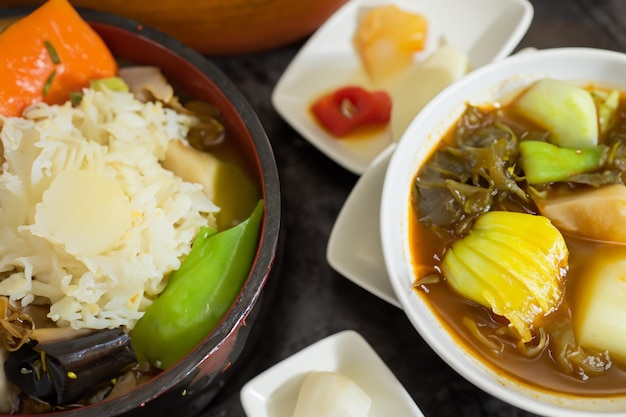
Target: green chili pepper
(543, 162)
(198, 294)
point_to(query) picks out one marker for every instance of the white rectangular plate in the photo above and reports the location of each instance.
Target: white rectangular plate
(486, 30)
(274, 392)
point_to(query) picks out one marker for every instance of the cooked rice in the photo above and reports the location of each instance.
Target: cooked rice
(123, 139)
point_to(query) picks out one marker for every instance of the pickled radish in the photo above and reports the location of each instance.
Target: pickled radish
(331, 394)
(423, 81)
(386, 39)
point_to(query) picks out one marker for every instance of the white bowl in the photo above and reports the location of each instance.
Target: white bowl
(483, 85)
(274, 392)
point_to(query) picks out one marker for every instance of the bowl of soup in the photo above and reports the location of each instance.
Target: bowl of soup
(502, 228)
(141, 201)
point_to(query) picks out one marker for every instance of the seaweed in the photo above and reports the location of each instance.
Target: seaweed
(464, 180)
(478, 170)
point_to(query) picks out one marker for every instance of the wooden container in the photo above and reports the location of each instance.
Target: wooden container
(219, 27)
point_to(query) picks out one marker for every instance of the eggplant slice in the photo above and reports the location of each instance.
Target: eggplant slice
(63, 372)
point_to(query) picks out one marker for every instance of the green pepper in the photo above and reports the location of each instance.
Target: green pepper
(198, 294)
(543, 162)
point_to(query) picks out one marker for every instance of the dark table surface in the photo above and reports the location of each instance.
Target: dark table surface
(313, 301)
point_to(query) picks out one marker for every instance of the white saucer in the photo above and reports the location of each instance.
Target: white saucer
(274, 392)
(328, 60)
(354, 248)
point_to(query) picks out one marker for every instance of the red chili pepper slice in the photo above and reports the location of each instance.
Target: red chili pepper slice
(347, 108)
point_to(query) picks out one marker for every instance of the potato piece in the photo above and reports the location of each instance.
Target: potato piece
(599, 309)
(386, 39)
(567, 111)
(597, 213)
(224, 183)
(86, 211)
(512, 263)
(331, 394)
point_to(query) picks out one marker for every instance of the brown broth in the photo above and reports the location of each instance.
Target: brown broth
(541, 371)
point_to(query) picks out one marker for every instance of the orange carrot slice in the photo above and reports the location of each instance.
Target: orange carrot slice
(47, 55)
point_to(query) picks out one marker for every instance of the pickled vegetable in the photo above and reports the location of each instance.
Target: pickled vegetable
(512, 263)
(386, 39)
(349, 108)
(422, 82)
(331, 394)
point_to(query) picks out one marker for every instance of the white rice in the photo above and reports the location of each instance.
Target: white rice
(115, 135)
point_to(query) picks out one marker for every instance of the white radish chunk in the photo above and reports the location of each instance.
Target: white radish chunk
(331, 394)
(86, 211)
(567, 111)
(423, 82)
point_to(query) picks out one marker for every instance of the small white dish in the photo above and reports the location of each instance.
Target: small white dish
(354, 247)
(328, 60)
(274, 392)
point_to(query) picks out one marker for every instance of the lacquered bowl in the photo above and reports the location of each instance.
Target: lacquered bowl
(494, 81)
(188, 386)
(220, 27)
